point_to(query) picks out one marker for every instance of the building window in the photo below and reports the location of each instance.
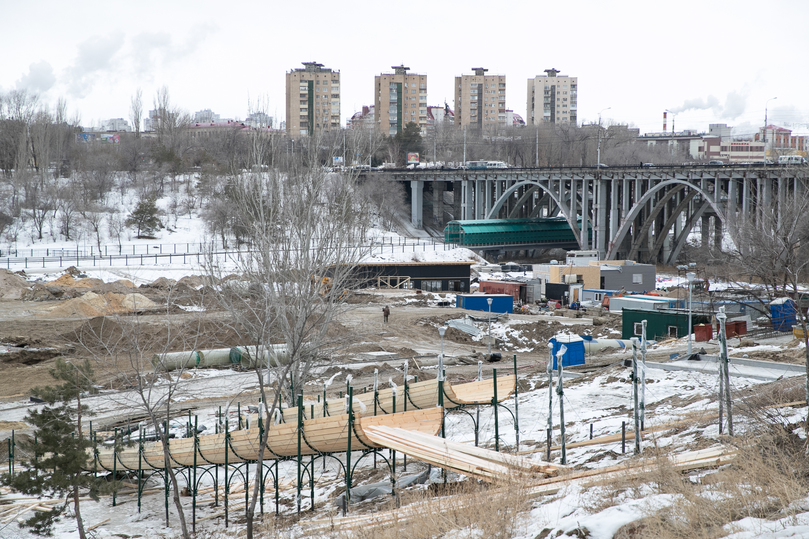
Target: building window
(637, 328)
(637, 278)
(673, 332)
(431, 286)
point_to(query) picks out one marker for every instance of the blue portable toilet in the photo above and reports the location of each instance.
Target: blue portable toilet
(783, 313)
(574, 354)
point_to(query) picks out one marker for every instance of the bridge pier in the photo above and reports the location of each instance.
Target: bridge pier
(438, 202)
(416, 203)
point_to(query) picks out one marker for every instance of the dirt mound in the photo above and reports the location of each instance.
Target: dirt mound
(12, 285)
(29, 356)
(65, 280)
(194, 281)
(68, 280)
(125, 334)
(163, 283)
(92, 304)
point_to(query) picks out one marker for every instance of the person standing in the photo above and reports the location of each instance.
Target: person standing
(385, 314)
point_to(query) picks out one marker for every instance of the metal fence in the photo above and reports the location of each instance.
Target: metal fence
(173, 253)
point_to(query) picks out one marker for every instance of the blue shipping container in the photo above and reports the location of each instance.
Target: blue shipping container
(501, 303)
(783, 313)
(573, 356)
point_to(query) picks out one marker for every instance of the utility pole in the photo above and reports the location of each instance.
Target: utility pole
(560, 393)
(643, 374)
(724, 372)
(464, 145)
(598, 147)
(765, 124)
(636, 415)
(536, 162)
(550, 394)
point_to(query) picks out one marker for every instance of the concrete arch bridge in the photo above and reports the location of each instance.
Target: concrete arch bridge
(643, 213)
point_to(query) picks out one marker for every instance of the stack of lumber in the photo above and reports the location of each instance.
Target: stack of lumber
(320, 435)
(466, 459)
(18, 507)
(690, 460)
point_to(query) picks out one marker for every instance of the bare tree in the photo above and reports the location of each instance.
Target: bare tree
(772, 246)
(305, 229)
(136, 111)
(171, 126)
(133, 351)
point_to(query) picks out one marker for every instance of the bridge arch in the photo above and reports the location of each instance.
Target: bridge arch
(638, 206)
(498, 204)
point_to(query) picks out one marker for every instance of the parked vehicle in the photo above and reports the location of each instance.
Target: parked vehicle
(791, 160)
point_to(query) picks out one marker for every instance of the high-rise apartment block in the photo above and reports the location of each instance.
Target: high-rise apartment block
(552, 98)
(480, 100)
(313, 100)
(400, 98)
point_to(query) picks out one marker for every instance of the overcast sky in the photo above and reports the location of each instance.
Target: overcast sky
(710, 61)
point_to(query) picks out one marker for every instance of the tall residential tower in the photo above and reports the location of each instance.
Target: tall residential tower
(313, 100)
(552, 98)
(480, 100)
(400, 98)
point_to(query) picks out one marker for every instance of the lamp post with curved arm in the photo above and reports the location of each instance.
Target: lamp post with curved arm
(598, 148)
(765, 124)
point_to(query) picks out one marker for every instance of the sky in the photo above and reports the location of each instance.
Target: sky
(707, 61)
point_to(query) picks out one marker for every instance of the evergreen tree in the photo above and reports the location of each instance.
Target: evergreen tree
(408, 140)
(144, 218)
(60, 452)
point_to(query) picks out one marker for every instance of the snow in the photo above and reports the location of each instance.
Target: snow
(600, 401)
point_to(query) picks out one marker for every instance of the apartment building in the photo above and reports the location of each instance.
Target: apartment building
(313, 100)
(400, 98)
(552, 98)
(480, 100)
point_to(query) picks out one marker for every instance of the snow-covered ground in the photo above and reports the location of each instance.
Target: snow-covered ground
(602, 401)
(599, 400)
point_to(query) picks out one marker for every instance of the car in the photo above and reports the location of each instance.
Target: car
(602, 165)
(716, 162)
(648, 165)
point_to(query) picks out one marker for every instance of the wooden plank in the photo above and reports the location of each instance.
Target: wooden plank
(94, 526)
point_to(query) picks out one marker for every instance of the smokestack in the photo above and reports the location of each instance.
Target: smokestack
(664, 122)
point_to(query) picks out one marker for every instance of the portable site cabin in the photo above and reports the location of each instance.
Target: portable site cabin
(630, 276)
(660, 324)
(783, 313)
(596, 294)
(566, 293)
(515, 289)
(501, 303)
(644, 303)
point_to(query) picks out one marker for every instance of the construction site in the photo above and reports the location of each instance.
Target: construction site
(415, 427)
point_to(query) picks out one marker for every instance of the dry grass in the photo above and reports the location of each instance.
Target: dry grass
(474, 509)
(769, 473)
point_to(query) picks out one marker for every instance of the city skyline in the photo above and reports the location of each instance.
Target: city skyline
(633, 60)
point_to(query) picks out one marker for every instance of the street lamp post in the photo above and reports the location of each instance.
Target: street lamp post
(489, 301)
(441, 332)
(598, 148)
(765, 124)
(690, 277)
